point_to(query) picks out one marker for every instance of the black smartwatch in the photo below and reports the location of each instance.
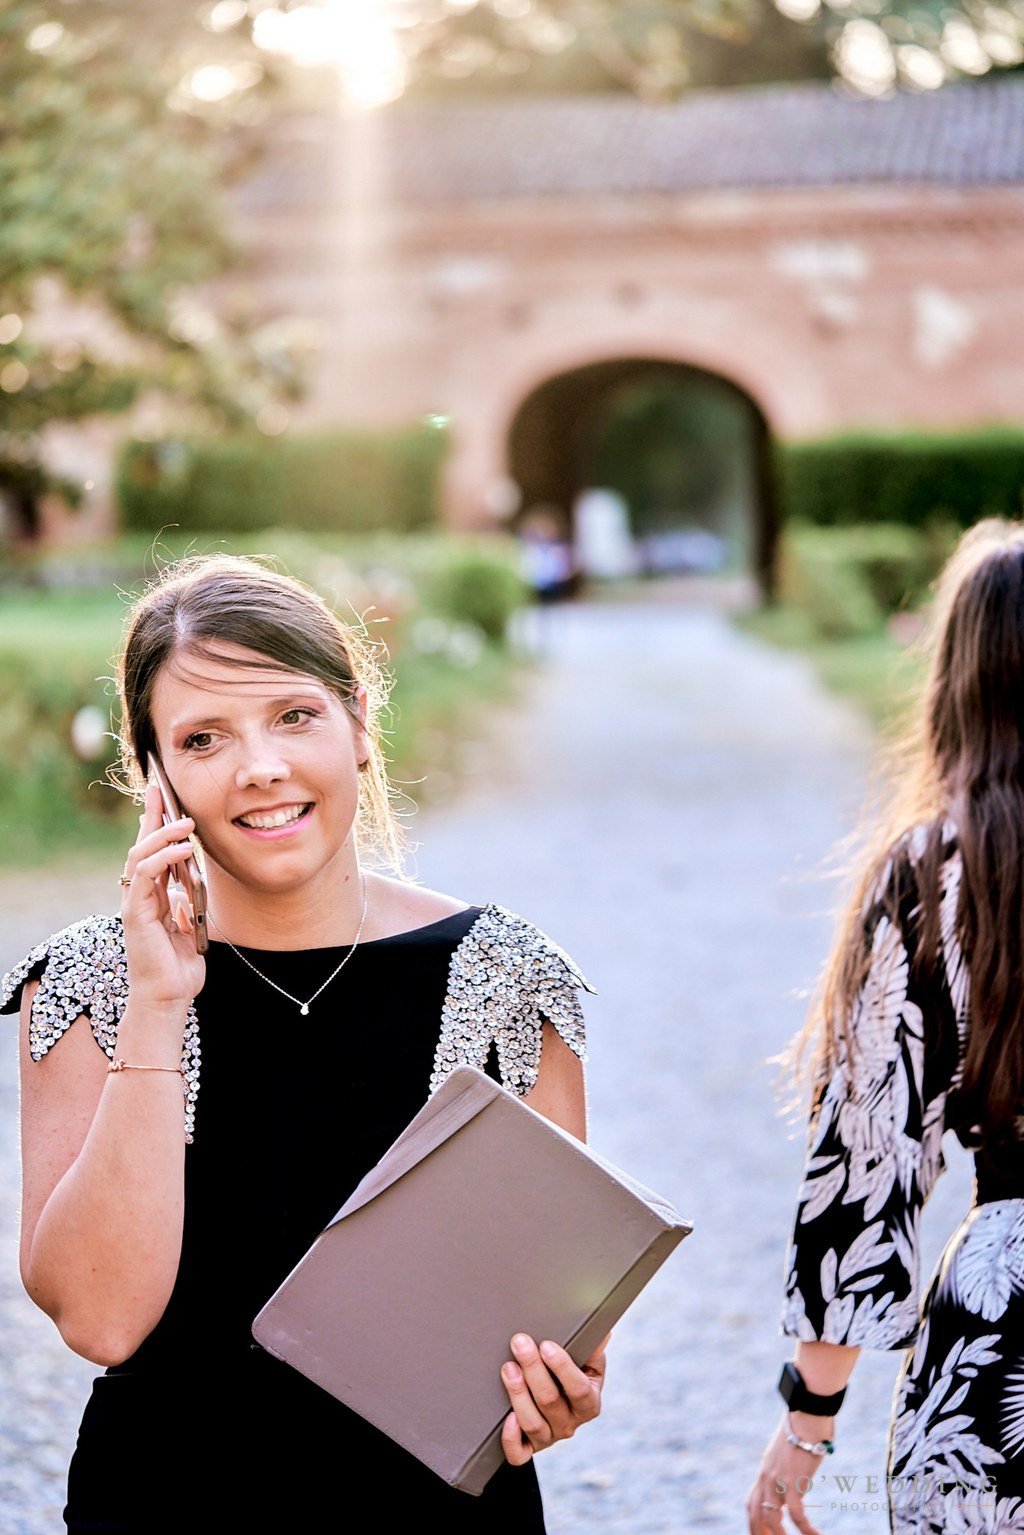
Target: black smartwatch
(798, 1399)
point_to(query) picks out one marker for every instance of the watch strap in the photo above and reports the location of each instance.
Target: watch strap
(799, 1398)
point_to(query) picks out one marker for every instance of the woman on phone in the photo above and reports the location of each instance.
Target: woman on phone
(920, 1031)
(191, 1120)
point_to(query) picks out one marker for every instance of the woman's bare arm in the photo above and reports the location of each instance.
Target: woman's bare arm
(103, 1153)
(559, 1092)
(102, 1191)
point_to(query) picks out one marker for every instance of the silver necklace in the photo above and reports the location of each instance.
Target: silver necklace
(304, 1007)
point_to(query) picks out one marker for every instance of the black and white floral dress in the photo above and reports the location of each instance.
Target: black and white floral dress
(956, 1444)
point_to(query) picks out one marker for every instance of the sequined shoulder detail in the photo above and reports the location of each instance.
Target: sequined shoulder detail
(505, 979)
(83, 969)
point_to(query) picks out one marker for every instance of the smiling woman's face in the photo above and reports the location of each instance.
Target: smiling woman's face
(266, 761)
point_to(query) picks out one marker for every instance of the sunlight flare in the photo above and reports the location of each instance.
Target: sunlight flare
(355, 36)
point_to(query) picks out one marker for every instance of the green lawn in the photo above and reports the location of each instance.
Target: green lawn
(60, 623)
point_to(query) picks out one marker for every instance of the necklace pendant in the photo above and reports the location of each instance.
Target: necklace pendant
(304, 1009)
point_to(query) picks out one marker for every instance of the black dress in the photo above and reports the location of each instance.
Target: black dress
(287, 1114)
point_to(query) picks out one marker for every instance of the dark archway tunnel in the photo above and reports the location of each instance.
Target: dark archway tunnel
(686, 451)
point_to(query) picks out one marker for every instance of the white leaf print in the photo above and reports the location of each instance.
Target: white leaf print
(1013, 1413)
(905, 1239)
(838, 1316)
(913, 1023)
(828, 1275)
(946, 1448)
(913, 1039)
(795, 1321)
(821, 1187)
(975, 1353)
(985, 1269)
(919, 1356)
(872, 1130)
(907, 1156)
(930, 1434)
(958, 1396)
(956, 969)
(863, 1125)
(876, 1014)
(872, 1179)
(931, 1162)
(881, 1324)
(960, 1511)
(865, 1251)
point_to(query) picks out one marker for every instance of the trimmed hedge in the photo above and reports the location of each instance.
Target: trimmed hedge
(915, 478)
(339, 481)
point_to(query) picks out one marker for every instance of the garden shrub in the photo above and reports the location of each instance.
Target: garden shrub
(848, 580)
(55, 667)
(337, 481)
(814, 574)
(477, 586)
(912, 478)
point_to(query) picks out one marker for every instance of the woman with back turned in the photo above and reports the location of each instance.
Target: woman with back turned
(191, 1122)
(919, 1032)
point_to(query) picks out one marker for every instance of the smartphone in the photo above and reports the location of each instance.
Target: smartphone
(192, 885)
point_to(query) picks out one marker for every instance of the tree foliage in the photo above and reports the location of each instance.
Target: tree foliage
(112, 179)
(124, 123)
(659, 48)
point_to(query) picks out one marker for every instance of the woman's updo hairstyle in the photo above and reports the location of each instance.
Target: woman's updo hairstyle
(197, 605)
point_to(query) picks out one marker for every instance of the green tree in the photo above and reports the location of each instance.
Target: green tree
(115, 152)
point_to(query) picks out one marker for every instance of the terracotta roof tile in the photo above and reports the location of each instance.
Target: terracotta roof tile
(801, 135)
(964, 135)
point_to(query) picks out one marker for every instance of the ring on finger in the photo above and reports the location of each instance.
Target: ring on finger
(125, 880)
(775, 1507)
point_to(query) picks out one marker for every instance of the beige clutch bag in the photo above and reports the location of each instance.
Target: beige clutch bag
(483, 1219)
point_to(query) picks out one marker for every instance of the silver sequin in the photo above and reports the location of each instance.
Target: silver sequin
(505, 979)
(86, 972)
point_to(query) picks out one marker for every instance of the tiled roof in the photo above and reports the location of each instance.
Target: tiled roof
(791, 136)
(808, 135)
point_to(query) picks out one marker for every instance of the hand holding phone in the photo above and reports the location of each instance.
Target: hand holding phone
(191, 890)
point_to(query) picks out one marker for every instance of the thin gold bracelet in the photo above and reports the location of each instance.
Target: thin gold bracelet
(122, 1065)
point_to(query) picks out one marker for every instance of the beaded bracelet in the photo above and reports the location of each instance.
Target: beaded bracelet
(820, 1447)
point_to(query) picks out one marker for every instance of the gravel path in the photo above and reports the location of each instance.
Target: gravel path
(662, 804)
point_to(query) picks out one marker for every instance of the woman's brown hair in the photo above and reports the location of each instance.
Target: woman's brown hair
(959, 766)
(201, 603)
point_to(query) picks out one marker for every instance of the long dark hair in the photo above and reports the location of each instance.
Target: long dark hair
(959, 765)
(196, 605)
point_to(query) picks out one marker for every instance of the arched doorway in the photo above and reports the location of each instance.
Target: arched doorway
(686, 452)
